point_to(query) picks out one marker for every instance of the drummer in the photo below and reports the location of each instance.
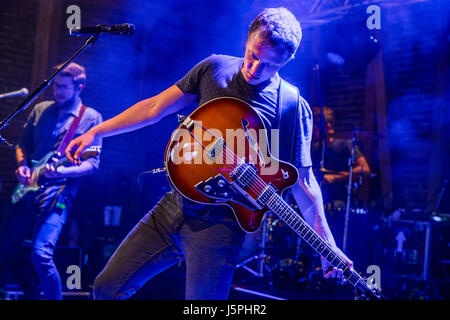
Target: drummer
(335, 166)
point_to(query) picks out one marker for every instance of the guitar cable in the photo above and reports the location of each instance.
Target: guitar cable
(154, 171)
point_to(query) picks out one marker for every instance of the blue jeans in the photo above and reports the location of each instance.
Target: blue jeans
(45, 223)
(161, 239)
(44, 241)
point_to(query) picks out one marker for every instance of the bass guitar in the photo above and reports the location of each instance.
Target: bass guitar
(219, 155)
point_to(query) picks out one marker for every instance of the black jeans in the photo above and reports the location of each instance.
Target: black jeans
(162, 238)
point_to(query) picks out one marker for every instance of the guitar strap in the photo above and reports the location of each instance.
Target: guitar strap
(288, 99)
(61, 203)
(71, 131)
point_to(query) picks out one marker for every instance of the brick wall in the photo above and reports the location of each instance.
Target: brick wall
(17, 33)
(411, 55)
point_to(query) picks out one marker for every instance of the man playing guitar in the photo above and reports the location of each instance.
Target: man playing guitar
(207, 237)
(44, 211)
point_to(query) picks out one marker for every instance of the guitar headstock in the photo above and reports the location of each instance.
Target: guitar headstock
(364, 292)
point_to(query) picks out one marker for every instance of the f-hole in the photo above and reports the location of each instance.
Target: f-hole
(253, 144)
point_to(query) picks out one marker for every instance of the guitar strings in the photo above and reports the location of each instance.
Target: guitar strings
(297, 221)
(293, 217)
(259, 183)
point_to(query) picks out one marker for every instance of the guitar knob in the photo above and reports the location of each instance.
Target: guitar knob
(221, 183)
(207, 189)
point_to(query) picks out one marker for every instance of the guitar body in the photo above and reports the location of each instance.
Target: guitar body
(188, 163)
(36, 173)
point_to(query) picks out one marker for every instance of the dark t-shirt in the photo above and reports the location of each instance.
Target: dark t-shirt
(220, 76)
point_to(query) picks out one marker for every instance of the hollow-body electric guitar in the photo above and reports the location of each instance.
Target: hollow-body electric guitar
(37, 179)
(219, 155)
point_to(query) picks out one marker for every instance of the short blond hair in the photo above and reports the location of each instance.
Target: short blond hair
(279, 26)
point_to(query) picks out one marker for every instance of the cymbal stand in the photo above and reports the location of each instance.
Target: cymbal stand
(261, 256)
(349, 192)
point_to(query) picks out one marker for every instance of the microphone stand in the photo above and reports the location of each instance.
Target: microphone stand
(33, 95)
(441, 194)
(349, 192)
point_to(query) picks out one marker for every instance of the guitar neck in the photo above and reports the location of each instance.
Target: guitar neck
(61, 162)
(41, 168)
(278, 206)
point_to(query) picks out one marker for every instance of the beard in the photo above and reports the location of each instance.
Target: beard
(66, 104)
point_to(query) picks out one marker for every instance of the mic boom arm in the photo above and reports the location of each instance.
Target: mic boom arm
(33, 95)
(94, 32)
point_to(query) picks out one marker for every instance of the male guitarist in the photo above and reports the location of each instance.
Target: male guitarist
(208, 237)
(49, 127)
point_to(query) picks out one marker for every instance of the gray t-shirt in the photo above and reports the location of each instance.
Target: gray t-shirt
(220, 76)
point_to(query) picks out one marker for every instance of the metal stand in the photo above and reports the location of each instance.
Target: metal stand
(263, 269)
(349, 192)
(33, 95)
(426, 256)
(261, 256)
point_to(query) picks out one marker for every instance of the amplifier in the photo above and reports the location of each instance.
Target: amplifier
(415, 249)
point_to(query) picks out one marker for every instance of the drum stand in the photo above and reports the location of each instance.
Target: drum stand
(261, 257)
(262, 267)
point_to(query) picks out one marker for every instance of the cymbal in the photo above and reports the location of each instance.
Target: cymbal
(369, 174)
(358, 135)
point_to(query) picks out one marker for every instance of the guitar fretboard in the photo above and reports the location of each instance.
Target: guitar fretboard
(278, 206)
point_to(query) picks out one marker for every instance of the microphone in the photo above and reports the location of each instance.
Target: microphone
(124, 29)
(19, 93)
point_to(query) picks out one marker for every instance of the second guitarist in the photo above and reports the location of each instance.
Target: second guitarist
(42, 214)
